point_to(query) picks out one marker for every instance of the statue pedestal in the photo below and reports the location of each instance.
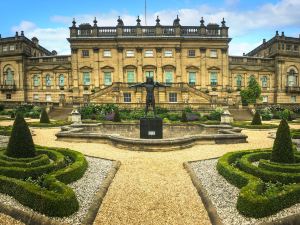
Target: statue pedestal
(151, 128)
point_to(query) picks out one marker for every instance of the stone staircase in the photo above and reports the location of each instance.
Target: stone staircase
(60, 113)
(241, 114)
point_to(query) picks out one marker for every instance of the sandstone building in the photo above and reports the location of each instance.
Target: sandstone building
(104, 61)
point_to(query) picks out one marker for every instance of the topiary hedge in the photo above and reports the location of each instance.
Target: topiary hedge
(49, 194)
(256, 119)
(248, 125)
(20, 143)
(258, 197)
(283, 148)
(44, 116)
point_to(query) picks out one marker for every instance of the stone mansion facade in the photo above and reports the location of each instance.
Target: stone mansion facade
(104, 61)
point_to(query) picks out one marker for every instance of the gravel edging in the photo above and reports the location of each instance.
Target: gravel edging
(33, 218)
(98, 198)
(210, 208)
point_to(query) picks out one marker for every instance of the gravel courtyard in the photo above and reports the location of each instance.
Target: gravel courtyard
(153, 188)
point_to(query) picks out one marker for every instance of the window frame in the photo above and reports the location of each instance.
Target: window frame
(215, 83)
(169, 74)
(48, 80)
(173, 97)
(105, 78)
(105, 51)
(85, 53)
(146, 55)
(293, 97)
(132, 72)
(239, 80)
(127, 97)
(264, 81)
(36, 80)
(265, 97)
(130, 55)
(195, 78)
(191, 55)
(46, 98)
(168, 53)
(84, 76)
(61, 82)
(213, 53)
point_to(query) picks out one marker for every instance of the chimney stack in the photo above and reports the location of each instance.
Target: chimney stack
(22, 33)
(277, 33)
(17, 34)
(282, 34)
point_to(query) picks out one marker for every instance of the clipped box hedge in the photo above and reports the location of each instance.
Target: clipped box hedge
(53, 197)
(253, 200)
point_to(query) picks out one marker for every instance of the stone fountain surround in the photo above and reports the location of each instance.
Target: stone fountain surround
(226, 134)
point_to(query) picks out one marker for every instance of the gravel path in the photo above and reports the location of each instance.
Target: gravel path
(85, 189)
(224, 196)
(152, 188)
(7, 220)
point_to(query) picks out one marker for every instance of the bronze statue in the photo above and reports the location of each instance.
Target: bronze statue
(149, 85)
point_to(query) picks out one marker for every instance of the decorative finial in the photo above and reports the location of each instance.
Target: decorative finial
(95, 22)
(17, 34)
(74, 22)
(22, 33)
(157, 21)
(223, 23)
(202, 22)
(277, 33)
(138, 21)
(176, 22)
(120, 22)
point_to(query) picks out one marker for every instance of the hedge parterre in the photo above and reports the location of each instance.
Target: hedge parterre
(41, 182)
(266, 187)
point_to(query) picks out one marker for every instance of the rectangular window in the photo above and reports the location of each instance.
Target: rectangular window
(5, 48)
(168, 53)
(11, 48)
(48, 98)
(36, 81)
(213, 53)
(265, 99)
(169, 77)
(192, 78)
(127, 97)
(107, 78)
(130, 76)
(191, 53)
(149, 53)
(296, 48)
(35, 97)
(48, 80)
(129, 53)
(107, 53)
(172, 97)
(213, 79)
(85, 53)
(293, 99)
(149, 74)
(288, 47)
(86, 78)
(8, 96)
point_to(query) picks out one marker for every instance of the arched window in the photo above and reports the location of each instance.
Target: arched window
(9, 80)
(36, 80)
(239, 80)
(48, 80)
(264, 81)
(292, 78)
(61, 80)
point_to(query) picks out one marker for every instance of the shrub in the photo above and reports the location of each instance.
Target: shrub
(44, 116)
(216, 114)
(250, 94)
(283, 149)
(20, 144)
(117, 117)
(184, 117)
(174, 116)
(2, 107)
(256, 119)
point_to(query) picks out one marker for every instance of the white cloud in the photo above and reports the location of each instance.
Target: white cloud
(283, 14)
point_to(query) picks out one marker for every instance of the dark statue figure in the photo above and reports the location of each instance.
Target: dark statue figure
(150, 85)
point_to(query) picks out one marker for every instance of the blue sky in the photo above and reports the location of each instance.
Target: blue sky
(249, 21)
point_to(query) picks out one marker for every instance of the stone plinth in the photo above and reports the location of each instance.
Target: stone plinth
(226, 117)
(151, 128)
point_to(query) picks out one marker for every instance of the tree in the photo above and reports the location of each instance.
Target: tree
(44, 116)
(250, 94)
(283, 148)
(256, 119)
(184, 117)
(20, 143)
(117, 117)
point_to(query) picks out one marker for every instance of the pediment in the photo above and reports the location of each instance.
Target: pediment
(61, 68)
(149, 67)
(213, 68)
(169, 66)
(86, 68)
(108, 68)
(34, 68)
(130, 67)
(192, 67)
(239, 68)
